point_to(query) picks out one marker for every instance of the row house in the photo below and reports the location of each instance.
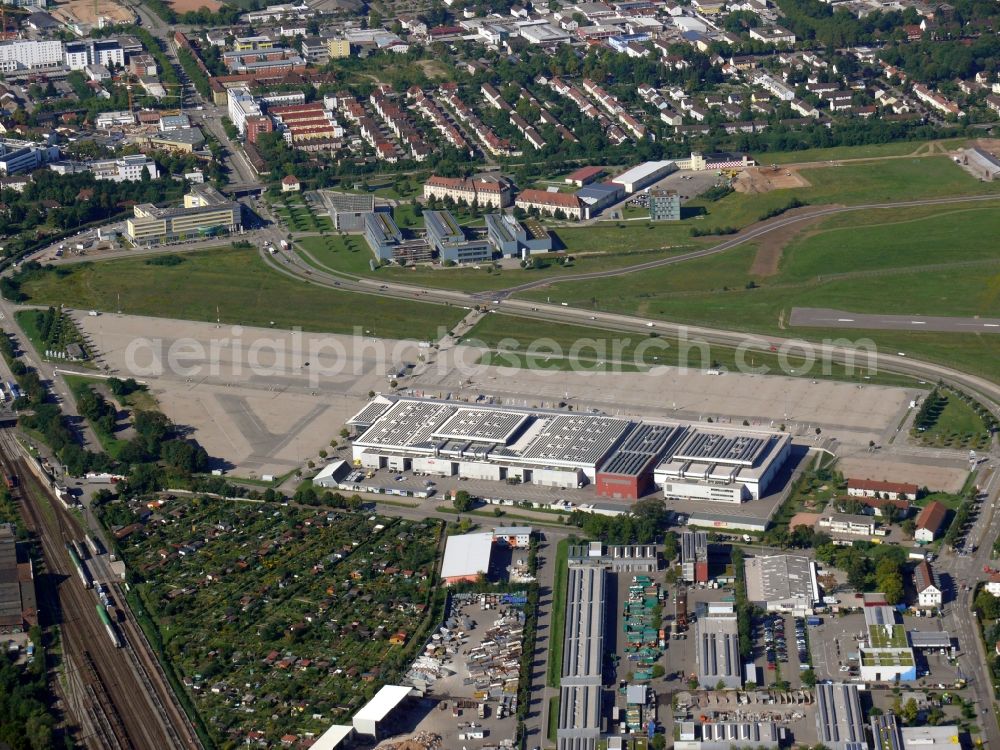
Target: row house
(936, 100)
(530, 134)
(546, 117)
(400, 125)
(493, 143)
(430, 109)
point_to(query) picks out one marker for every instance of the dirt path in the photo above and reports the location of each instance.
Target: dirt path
(771, 245)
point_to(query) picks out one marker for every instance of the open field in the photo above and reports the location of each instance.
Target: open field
(873, 151)
(943, 264)
(89, 11)
(849, 184)
(183, 6)
(218, 580)
(234, 287)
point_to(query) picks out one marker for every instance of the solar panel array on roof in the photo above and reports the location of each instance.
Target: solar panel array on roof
(715, 446)
(487, 425)
(645, 444)
(584, 439)
(839, 721)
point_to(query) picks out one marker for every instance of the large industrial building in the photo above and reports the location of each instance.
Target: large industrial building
(717, 648)
(567, 450)
(582, 675)
(723, 735)
(840, 723)
(782, 583)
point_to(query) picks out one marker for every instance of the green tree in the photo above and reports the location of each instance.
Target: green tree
(462, 501)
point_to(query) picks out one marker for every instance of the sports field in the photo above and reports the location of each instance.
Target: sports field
(233, 286)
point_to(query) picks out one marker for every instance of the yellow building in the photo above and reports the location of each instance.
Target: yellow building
(338, 48)
(206, 212)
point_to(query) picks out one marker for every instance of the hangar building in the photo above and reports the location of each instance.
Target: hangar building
(551, 448)
(717, 648)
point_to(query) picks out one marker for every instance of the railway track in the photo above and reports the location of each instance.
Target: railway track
(125, 704)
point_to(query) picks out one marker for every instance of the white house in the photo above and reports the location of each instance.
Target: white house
(928, 586)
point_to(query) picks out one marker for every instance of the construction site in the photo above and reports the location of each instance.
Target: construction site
(92, 13)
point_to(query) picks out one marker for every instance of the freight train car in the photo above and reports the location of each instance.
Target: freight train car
(95, 544)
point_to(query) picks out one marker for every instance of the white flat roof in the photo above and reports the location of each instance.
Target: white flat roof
(384, 701)
(333, 737)
(467, 555)
(642, 170)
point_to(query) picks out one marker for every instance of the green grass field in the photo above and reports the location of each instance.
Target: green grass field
(958, 426)
(558, 623)
(243, 290)
(873, 151)
(943, 264)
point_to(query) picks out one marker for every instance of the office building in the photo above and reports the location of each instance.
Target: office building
(205, 213)
(242, 106)
(512, 238)
(450, 242)
(386, 240)
(664, 205)
(483, 191)
(23, 156)
(347, 210)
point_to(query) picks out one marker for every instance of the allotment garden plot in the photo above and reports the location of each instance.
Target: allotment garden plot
(283, 620)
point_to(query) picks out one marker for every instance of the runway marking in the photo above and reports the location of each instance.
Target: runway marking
(918, 322)
(845, 320)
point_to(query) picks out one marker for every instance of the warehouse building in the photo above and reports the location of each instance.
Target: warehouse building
(644, 175)
(782, 583)
(582, 675)
(467, 557)
(723, 465)
(18, 608)
(717, 648)
(982, 163)
(369, 721)
(694, 556)
(206, 213)
(567, 450)
(723, 735)
(840, 723)
(599, 196)
(628, 474)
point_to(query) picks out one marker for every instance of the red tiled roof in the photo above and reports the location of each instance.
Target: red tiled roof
(932, 516)
(545, 198)
(881, 486)
(585, 173)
